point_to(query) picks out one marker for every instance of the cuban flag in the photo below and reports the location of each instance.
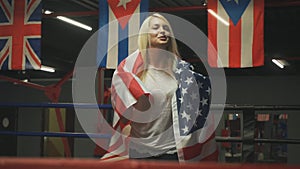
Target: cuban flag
(120, 21)
(238, 34)
(20, 34)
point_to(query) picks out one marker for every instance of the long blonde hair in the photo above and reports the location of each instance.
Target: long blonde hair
(144, 41)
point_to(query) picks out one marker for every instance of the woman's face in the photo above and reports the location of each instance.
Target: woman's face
(159, 33)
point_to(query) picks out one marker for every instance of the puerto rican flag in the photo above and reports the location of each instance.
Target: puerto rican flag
(20, 34)
(193, 123)
(120, 21)
(239, 40)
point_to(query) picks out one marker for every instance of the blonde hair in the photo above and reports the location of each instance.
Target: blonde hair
(144, 41)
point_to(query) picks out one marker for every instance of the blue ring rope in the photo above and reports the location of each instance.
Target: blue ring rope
(57, 134)
(58, 105)
(109, 106)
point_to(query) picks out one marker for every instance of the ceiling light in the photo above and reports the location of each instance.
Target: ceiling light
(280, 63)
(73, 22)
(47, 69)
(218, 17)
(47, 12)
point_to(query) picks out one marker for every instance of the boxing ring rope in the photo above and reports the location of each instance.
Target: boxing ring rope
(56, 134)
(108, 106)
(67, 163)
(53, 163)
(256, 140)
(58, 105)
(53, 92)
(107, 136)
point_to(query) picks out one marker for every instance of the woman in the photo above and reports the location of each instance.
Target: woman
(159, 52)
(145, 95)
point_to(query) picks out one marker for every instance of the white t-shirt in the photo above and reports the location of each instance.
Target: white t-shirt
(157, 136)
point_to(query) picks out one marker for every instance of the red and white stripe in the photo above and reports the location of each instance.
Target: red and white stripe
(206, 151)
(118, 146)
(199, 145)
(126, 86)
(126, 89)
(240, 45)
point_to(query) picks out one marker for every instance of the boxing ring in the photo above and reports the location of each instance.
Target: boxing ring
(53, 93)
(29, 163)
(26, 163)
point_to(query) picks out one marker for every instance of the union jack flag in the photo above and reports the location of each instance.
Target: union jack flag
(193, 124)
(20, 34)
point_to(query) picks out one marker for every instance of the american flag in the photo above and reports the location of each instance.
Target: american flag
(195, 140)
(20, 34)
(238, 37)
(192, 122)
(120, 22)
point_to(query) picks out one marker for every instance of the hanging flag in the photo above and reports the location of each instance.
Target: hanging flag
(283, 116)
(238, 39)
(20, 34)
(263, 117)
(120, 22)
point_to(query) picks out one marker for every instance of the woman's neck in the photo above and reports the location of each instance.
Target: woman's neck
(159, 58)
